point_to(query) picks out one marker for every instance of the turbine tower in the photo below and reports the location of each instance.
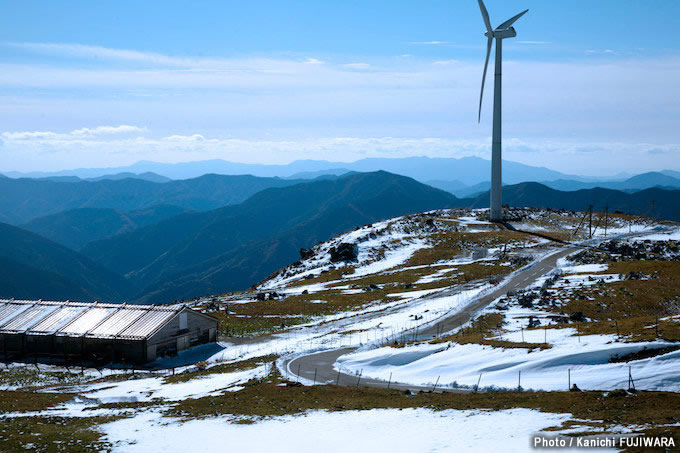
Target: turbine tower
(503, 31)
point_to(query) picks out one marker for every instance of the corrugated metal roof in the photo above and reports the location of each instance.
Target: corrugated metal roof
(9, 310)
(147, 324)
(116, 323)
(28, 318)
(86, 321)
(77, 319)
(58, 319)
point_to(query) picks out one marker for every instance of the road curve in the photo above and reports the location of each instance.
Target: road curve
(318, 367)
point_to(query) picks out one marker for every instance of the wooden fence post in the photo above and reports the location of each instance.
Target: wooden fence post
(435, 384)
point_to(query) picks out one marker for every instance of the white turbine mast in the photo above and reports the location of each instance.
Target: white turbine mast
(503, 31)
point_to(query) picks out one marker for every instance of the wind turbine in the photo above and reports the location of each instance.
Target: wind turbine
(503, 31)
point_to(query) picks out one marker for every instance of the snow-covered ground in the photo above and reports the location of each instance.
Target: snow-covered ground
(388, 430)
(384, 249)
(586, 358)
(670, 235)
(572, 358)
(147, 389)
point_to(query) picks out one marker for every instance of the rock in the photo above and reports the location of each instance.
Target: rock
(577, 316)
(261, 296)
(574, 388)
(524, 303)
(306, 253)
(617, 393)
(305, 292)
(344, 252)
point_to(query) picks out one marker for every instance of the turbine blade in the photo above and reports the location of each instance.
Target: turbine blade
(485, 15)
(486, 65)
(508, 23)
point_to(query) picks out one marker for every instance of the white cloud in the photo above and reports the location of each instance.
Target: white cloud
(77, 134)
(59, 151)
(432, 43)
(294, 102)
(313, 61)
(108, 130)
(444, 62)
(600, 52)
(85, 51)
(185, 138)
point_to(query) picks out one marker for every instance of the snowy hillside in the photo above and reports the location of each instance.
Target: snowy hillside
(440, 316)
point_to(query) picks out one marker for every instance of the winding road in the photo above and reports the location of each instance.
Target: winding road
(318, 367)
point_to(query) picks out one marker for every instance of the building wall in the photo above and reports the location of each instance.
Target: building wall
(173, 337)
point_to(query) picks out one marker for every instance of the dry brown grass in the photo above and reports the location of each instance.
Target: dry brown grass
(451, 244)
(485, 326)
(325, 277)
(631, 308)
(22, 401)
(221, 368)
(277, 315)
(53, 434)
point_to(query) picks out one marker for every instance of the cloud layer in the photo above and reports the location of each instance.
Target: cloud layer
(277, 109)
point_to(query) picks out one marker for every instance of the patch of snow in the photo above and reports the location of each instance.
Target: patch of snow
(670, 235)
(391, 430)
(546, 369)
(146, 389)
(393, 258)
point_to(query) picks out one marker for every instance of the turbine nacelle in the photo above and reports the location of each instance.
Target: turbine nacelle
(502, 34)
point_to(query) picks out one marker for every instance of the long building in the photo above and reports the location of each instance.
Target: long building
(100, 332)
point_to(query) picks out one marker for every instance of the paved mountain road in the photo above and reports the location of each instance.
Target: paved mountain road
(319, 366)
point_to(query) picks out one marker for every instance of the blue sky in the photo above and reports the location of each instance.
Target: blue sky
(102, 84)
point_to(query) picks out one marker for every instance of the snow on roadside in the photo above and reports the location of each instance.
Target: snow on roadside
(670, 235)
(392, 430)
(586, 356)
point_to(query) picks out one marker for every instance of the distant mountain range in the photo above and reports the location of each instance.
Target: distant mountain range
(32, 267)
(654, 202)
(78, 227)
(147, 176)
(468, 170)
(632, 184)
(464, 177)
(142, 241)
(233, 247)
(25, 199)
